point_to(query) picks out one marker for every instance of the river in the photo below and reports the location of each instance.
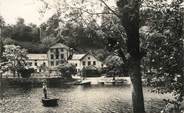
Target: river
(78, 99)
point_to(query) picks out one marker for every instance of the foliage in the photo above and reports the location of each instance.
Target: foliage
(48, 41)
(76, 35)
(115, 66)
(128, 13)
(101, 54)
(66, 70)
(1, 49)
(164, 43)
(90, 71)
(20, 33)
(8, 41)
(2, 22)
(16, 57)
(25, 73)
(79, 26)
(23, 32)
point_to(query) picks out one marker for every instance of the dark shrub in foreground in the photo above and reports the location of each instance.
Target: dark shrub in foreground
(26, 73)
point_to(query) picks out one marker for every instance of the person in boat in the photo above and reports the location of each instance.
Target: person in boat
(45, 90)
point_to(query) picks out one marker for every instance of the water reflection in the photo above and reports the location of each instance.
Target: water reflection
(78, 99)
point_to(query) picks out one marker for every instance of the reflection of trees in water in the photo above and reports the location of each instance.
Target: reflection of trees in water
(9, 91)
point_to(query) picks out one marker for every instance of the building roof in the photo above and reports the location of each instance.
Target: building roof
(37, 56)
(77, 56)
(59, 45)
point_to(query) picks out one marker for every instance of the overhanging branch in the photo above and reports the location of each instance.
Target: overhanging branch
(122, 55)
(114, 12)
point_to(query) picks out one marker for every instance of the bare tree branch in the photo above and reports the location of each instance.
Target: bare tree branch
(114, 12)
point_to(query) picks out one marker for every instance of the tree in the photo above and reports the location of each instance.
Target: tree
(164, 43)
(115, 65)
(15, 56)
(1, 41)
(77, 35)
(22, 32)
(2, 22)
(7, 31)
(66, 70)
(25, 72)
(90, 71)
(48, 41)
(1, 49)
(129, 18)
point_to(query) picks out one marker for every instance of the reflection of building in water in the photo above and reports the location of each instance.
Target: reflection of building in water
(38, 61)
(84, 60)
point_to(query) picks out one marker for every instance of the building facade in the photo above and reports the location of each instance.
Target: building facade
(84, 60)
(57, 54)
(38, 61)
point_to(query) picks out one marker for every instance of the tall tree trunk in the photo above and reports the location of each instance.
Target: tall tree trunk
(137, 92)
(129, 16)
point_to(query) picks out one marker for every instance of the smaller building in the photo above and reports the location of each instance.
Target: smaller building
(84, 60)
(38, 61)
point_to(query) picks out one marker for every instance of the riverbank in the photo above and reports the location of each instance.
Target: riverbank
(35, 82)
(57, 81)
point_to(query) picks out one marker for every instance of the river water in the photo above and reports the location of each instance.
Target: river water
(78, 99)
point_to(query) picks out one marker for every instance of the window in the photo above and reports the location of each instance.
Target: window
(44, 64)
(76, 64)
(40, 70)
(51, 56)
(62, 56)
(94, 62)
(61, 49)
(83, 63)
(52, 63)
(88, 58)
(35, 63)
(89, 63)
(51, 50)
(102, 65)
(30, 63)
(57, 63)
(57, 51)
(57, 56)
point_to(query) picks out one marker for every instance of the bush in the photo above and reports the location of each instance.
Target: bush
(90, 71)
(66, 70)
(25, 73)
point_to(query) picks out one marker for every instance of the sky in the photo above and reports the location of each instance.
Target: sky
(10, 10)
(27, 9)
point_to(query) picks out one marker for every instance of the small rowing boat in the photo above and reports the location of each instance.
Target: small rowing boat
(50, 102)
